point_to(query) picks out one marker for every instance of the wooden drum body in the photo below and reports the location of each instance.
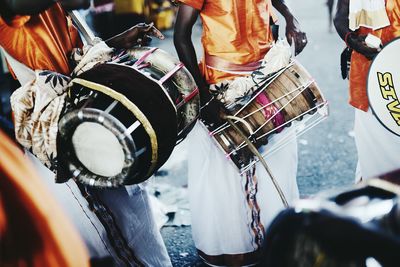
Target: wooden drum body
(287, 97)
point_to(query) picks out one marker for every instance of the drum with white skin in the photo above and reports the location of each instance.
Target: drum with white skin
(125, 117)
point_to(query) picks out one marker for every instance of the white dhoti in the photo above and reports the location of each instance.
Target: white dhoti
(125, 209)
(228, 224)
(378, 148)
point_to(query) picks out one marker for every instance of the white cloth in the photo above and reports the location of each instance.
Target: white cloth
(274, 60)
(132, 213)
(38, 103)
(378, 148)
(221, 217)
(368, 13)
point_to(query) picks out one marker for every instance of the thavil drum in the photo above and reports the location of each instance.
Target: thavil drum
(125, 117)
(287, 96)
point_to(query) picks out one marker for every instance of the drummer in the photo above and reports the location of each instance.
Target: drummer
(377, 147)
(230, 212)
(124, 229)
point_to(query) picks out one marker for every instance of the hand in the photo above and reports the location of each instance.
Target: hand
(138, 34)
(210, 110)
(295, 35)
(357, 43)
(210, 113)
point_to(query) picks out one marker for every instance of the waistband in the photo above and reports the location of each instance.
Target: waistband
(226, 66)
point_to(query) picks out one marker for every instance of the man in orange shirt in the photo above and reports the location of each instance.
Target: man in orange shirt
(230, 211)
(377, 147)
(114, 223)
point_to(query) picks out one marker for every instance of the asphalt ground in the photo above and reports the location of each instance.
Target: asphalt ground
(327, 153)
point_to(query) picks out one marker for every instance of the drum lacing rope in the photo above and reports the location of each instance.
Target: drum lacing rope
(254, 150)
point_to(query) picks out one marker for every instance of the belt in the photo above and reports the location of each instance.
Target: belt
(224, 65)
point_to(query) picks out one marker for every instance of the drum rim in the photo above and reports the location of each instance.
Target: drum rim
(368, 90)
(132, 108)
(75, 118)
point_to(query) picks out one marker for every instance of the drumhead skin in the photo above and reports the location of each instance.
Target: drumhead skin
(98, 149)
(68, 162)
(383, 87)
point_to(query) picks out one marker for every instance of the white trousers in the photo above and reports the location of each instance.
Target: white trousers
(130, 209)
(222, 219)
(377, 148)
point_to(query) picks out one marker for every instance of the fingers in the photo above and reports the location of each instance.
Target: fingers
(299, 39)
(150, 30)
(144, 41)
(301, 42)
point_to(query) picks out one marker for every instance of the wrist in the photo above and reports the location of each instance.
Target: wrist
(289, 18)
(348, 39)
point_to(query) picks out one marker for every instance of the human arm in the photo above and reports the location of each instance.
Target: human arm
(185, 20)
(352, 39)
(293, 31)
(138, 34)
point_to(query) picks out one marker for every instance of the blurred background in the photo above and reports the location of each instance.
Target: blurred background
(327, 154)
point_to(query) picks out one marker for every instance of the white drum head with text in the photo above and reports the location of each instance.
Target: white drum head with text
(384, 86)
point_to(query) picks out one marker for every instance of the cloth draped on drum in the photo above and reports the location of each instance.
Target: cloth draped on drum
(38, 104)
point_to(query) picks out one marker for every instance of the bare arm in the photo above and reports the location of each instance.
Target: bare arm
(341, 20)
(293, 31)
(139, 34)
(185, 20)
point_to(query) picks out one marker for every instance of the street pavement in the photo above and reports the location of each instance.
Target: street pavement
(327, 154)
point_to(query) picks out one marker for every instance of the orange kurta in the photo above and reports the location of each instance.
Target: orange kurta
(42, 41)
(33, 230)
(235, 31)
(360, 64)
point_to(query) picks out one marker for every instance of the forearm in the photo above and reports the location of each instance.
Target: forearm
(282, 8)
(187, 55)
(183, 44)
(341, 20)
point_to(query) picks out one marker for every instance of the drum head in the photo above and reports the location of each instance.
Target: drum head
(384, 87)
(98, 149)
(90, 148)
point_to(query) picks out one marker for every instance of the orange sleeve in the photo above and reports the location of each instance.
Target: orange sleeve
(396, 20)
(33, 228)
(17, 21)
(196, 4)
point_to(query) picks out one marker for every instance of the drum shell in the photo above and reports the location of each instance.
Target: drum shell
(293, 93)
(181, 83)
